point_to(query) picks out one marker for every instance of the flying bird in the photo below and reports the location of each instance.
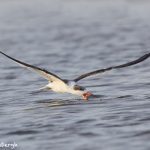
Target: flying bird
(57, 84)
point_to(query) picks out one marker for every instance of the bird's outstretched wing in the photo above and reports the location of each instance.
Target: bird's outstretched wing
(44, 73)
(113, 67)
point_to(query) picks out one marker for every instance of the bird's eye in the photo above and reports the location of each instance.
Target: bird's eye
(77, 87)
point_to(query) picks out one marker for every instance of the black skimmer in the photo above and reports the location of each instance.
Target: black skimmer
(57, 84)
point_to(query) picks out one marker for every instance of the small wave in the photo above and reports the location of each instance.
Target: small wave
(22, 132)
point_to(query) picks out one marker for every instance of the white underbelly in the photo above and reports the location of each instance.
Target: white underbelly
(63, 88)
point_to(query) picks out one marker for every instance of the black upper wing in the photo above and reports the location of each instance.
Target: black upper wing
(44, 73)
(113, 67)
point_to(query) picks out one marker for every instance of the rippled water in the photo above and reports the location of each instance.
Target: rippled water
(70, 38)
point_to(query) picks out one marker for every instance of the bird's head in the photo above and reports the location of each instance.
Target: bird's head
(86, 95)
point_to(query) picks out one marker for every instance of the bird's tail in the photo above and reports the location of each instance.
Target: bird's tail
(45, 88)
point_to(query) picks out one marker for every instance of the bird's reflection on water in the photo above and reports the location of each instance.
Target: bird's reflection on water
(65, 102)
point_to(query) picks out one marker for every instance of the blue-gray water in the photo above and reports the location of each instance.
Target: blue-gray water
(70, 38)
